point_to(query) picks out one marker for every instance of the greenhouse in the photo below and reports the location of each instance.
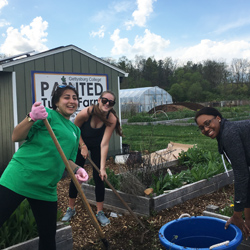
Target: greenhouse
(143, 99)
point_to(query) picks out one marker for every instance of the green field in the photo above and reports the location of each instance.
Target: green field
(157, 137)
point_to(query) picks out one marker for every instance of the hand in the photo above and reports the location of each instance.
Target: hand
(103, 174)
(81, 175)
(239, 222)
(84, 151)
(38, 112)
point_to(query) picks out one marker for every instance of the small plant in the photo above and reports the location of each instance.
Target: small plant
(196, 155)
(166, 182)
(175, 237)
(112, 178)
(228, 210)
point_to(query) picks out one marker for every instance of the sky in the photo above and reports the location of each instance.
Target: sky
(185, 30)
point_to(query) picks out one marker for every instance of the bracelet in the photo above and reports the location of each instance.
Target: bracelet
(76, 169)
(83, 144)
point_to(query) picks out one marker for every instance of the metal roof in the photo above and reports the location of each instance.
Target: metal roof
(8, 63)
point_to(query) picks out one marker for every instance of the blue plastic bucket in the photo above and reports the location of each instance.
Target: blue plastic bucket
(199, 232)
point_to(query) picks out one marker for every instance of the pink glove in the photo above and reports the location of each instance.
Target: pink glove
(38, 112)
(81, 175)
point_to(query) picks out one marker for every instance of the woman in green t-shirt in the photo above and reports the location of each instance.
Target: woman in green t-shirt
(36, 167)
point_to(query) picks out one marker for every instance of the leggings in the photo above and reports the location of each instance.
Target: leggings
(99, 184)
(45, 214)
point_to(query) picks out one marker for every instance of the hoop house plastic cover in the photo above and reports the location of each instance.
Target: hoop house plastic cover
(143, 99)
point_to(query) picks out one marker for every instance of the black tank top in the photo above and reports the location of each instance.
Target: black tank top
(92, 136)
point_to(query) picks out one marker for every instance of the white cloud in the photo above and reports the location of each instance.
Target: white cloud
(144, 9)
(154, 45)
(3, 3)
(99, 33)
(30, 37)
(121, 6)
(207, 49)
(233, 25)
(3, 23)
(148, 45)
(121, 45)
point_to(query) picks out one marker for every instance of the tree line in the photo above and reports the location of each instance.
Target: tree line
(209, 80)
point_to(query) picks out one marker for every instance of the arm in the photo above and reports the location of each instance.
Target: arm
(80, 173)
(236, 151)
(235, 148)
(82, 117)
(105, 146)
(20, 132)
(72, 165)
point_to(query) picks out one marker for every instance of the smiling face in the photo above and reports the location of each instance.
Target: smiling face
(105, 107)
(67, 103)
(209, 125)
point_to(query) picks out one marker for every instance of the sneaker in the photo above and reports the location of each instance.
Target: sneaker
(69, 214)
(102, 218)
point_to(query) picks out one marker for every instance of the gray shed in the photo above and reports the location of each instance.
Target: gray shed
(19, 76)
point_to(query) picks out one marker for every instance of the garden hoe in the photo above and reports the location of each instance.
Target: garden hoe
(72, 176)
(123, 202)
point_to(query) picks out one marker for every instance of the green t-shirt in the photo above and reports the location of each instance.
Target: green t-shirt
(37, 166)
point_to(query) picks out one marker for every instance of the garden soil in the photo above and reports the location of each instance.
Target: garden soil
(177, 106)
(124, 233)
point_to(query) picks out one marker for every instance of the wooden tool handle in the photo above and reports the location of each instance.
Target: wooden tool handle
(72, 176)
(117, 194)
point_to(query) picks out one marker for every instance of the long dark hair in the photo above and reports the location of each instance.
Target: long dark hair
(103, 117)
(58, 93)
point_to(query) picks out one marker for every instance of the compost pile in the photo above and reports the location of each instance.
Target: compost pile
(124, 233)
(176, 107)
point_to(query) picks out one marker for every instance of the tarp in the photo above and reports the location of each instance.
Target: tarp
(171, 153)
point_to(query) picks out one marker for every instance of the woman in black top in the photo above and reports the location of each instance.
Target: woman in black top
(234, 143)
(97, 124)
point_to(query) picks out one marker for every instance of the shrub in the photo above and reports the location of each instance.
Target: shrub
(202, 165)
(21, 226)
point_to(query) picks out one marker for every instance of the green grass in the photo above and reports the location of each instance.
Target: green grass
(156, 137)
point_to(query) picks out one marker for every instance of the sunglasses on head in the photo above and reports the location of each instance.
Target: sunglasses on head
(105, 100)
(64, 86)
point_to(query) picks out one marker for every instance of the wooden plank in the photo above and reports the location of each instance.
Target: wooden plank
(138, 204)
(192, 191)
(218, 181)
(64, 241)
(144, 205)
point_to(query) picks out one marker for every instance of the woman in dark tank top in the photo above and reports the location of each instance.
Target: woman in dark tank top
(97, 124)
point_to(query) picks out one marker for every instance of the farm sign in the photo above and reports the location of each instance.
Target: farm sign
(89, 86)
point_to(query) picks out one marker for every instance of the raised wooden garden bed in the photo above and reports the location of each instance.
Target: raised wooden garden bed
(145, 205)
(64, 240)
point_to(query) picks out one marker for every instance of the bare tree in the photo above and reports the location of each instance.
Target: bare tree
(240, 69)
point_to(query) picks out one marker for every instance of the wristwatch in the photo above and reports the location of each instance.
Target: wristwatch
(76, 169)
(29, 118)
